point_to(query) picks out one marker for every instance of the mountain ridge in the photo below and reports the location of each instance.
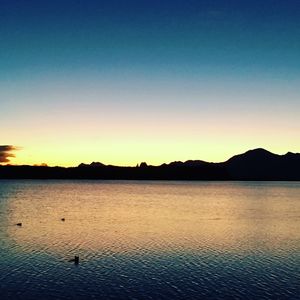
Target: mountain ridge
(255, 164)
(253, 152)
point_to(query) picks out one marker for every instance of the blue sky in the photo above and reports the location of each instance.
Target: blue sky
(161, 80)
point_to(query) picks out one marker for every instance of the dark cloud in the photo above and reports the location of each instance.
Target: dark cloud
(5, 153)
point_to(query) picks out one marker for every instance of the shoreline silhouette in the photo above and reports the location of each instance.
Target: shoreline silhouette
(257, 164)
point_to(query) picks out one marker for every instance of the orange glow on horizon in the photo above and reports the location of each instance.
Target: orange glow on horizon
(132, 153)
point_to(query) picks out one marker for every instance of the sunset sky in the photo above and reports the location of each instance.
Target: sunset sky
(122, 82)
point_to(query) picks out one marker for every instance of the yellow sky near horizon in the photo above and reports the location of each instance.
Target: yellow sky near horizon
(122, 86)
(131, 153)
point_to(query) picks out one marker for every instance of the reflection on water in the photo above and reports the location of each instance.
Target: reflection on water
(155, 240)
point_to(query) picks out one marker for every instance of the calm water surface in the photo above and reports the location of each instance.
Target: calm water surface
(149, 240)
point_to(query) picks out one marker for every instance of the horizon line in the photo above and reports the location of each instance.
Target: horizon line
(139, 164)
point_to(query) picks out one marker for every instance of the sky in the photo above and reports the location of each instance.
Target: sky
(122, 82)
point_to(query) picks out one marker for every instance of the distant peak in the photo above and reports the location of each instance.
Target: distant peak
(259, 151)
(188, 163)
(97, 164)
(93, 164)
(143, 165)
(254, 154)
(291, 154)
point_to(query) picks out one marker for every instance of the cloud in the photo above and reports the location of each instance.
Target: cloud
(5, 153)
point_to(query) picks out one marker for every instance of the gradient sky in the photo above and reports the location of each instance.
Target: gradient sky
(128, 81)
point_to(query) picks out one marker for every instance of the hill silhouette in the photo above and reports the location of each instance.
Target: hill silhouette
(257, 164)
(260, 164)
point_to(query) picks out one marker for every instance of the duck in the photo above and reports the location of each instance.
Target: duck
(19, 224)
(75, 260)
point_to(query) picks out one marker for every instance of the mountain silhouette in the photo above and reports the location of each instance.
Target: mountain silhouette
(93, 164)
(260, 164)
(257, 164)
(189, 163)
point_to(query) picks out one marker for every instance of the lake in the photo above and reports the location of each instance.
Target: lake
(149, 240)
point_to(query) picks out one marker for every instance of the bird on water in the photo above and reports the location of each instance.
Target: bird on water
(75, 260)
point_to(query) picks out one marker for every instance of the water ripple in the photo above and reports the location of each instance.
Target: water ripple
(149, 240)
